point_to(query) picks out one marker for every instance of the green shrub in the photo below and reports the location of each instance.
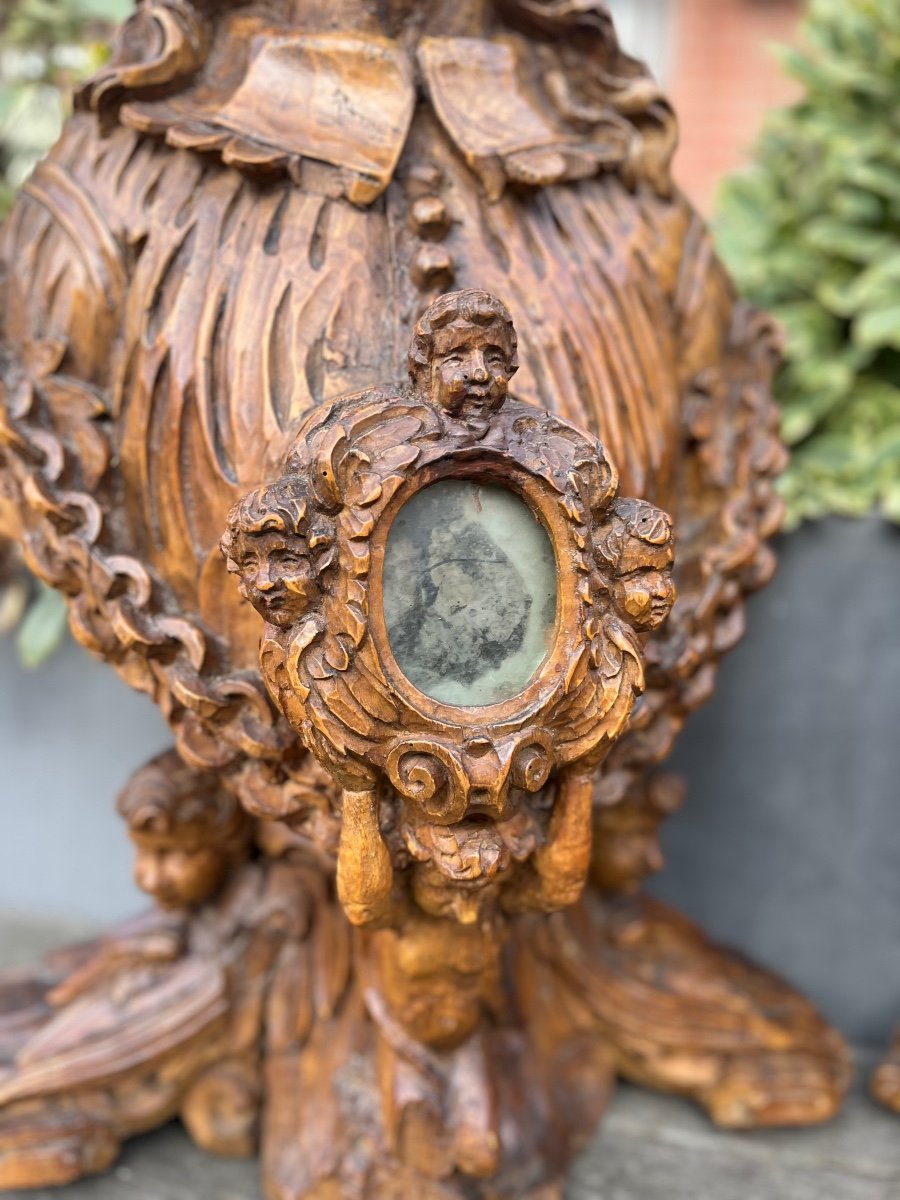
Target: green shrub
(812, 233)
(46, 48)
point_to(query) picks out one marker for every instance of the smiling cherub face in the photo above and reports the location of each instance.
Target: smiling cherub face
(279, 557)
(276, 575)
(636, 559)
(470, 370)
(463, 356)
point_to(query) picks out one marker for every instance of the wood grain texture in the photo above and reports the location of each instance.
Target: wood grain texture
(207, 303)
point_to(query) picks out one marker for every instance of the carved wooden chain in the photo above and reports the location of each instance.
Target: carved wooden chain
(219, 720)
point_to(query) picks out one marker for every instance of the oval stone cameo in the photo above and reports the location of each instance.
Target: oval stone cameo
(469, 592)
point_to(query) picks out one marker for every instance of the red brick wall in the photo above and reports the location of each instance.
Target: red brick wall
(723, 79)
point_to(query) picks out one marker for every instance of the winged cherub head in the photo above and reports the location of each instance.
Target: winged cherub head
(279, 550)
(635, 558)
(463, 355)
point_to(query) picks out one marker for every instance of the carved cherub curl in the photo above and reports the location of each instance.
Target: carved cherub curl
(463, 355)
(280, 548)
(634, 555)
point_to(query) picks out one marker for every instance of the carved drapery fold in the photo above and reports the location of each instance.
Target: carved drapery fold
(269, 96)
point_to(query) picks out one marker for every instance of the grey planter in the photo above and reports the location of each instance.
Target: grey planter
(789, 843)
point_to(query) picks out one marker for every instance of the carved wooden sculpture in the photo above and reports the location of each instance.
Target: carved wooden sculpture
(886, 1079)
(427, 709)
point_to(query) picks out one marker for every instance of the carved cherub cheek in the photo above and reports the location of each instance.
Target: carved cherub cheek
(147, 870)
(293, 567)
(154, 874)
(255, 584)
(268, 572)
(660, 586)
(450, 373)
(498, 365)
(247, 567)
(636, 580)
(636, 594)
(191, 874)
(646, 598)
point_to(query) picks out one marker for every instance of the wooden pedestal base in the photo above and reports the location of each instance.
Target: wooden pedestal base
(264, 1021)
(886, 1079)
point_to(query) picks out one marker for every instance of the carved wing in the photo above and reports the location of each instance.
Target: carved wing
(727, 508)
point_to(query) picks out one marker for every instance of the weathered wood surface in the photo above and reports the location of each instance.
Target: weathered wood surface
(398, 946)
(650, 1147)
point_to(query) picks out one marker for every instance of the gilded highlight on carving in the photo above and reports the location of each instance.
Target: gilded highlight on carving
(306, 296)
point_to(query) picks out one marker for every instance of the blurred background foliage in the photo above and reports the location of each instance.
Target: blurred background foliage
(812, 233)
(46, 48)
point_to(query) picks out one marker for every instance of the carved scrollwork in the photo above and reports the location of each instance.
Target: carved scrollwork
(222, 722)
(309, 550)
(164, 43)
(209, 83)
(429, 774)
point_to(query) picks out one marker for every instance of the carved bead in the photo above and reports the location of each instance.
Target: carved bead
(422, 178)
(429, 218)
(432, 268)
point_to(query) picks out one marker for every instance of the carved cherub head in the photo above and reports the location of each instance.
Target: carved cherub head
(187, 829)
(463, 355)
(635, 557)
(625, 847)
(279, 553)
(438, 977)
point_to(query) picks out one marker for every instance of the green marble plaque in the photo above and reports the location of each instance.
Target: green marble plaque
(469, 592)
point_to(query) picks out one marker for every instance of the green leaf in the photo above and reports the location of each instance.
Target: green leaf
(888, 449)
(890, 503)
(877, 286)
(810, 329)
(881, 178)
(116, 11)
(797, 424)
(811, 231)
(43, 629)
(878, 328)
(854, 204)
(102, 10)
(853, 242)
